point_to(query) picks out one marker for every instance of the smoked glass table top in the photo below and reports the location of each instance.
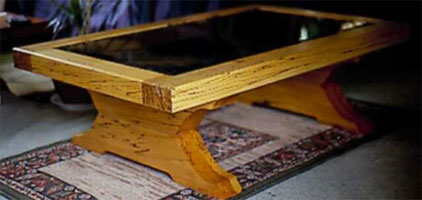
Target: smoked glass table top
(182, 48)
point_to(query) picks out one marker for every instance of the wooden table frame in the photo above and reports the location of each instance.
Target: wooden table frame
(156, 115)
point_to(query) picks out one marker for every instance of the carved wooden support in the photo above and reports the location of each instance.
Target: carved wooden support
(313, 94)
(167, 142)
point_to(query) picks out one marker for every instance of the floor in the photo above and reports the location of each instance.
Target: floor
(385, 167)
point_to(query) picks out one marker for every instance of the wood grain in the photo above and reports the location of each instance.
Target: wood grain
(151, 118)
(177, 93)
(90, 73)
(168, 142)
(226, 79)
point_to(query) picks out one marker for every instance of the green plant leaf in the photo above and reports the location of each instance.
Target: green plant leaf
(77, 13)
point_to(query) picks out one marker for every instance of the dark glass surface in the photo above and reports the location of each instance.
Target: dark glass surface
(177, 49)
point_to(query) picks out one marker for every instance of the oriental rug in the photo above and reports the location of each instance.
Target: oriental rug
(260, 146)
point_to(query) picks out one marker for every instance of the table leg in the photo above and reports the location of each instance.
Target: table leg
(167, 142)
(313, 94)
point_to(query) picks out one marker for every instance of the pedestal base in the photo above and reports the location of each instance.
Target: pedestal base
(164, 141)
(313, 94)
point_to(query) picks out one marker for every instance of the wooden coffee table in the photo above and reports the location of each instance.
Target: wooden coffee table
(153, 83)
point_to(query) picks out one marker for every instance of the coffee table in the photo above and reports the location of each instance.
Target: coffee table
(153, 83)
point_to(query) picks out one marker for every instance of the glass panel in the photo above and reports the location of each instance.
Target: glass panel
(178, 49)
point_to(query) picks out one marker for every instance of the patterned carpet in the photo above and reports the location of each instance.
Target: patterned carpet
(259, 148)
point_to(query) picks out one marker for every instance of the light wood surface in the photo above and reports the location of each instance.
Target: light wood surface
(151, 117)
(168, 142)
(177, 93)
(313, 94)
